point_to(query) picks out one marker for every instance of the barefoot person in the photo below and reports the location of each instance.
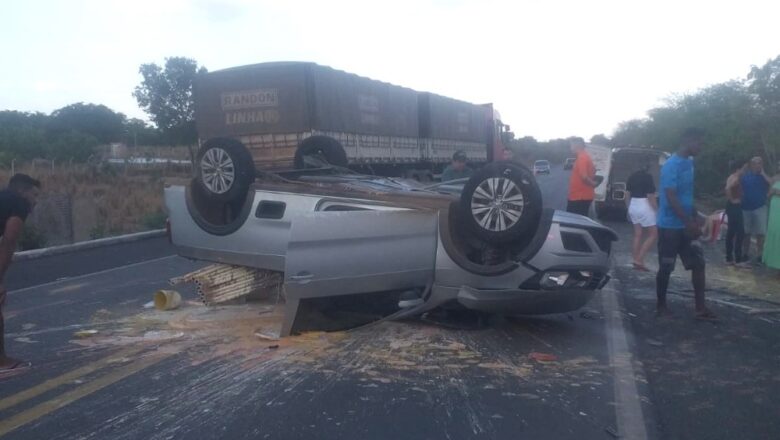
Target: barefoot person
(642, 212)
(16, 202)
(678, 227)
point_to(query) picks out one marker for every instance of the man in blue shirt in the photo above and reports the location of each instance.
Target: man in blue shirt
(755, 188)
(678, 224)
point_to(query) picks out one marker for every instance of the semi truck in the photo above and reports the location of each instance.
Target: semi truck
(301, 114)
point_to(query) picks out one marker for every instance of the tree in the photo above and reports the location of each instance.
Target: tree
(600, 139)
(22, 135)
(138, 132)
(764, 85)
(72, 146)
(726, 112)
(94, 120)
(166, 95)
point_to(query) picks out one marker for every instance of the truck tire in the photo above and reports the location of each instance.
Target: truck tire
(501, 203)
(224, 169)
(325, 148)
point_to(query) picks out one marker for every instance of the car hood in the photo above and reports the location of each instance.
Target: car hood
(578, 221)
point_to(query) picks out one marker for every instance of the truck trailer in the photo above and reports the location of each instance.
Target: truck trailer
(288, 113)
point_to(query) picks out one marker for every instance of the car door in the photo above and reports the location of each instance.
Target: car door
(602, 161)
(346, 252)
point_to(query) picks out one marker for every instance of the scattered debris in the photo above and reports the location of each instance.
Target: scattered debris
(273, 347)
(149, 305)
(266, 336)
(220, 283)
(85, 333)
(101, 315)
(25, 340)
(654, 342)
(28, 326)
(162, 335)
(543, 357)
(612, 431)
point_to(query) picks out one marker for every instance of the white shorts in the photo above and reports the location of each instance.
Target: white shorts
(641, 213)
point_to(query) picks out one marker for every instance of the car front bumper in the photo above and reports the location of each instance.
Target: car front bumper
(522, 301)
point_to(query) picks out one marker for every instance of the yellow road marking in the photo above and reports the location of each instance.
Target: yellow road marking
(65, 378)
(58, 402)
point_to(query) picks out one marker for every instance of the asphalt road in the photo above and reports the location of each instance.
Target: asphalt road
(204, 373)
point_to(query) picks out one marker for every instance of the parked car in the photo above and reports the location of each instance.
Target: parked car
(541, 167)
(484, 243)
(569, 164)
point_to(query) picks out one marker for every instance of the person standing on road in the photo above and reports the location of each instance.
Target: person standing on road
(736, 230)
(16, 203)
(771, 254)
(755, 190)
(582, 183)
(678, 225)
(642, 211)
(457, 169)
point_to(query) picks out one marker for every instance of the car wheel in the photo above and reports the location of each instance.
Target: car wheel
(501, 203)
(224, 169)
(317, 151)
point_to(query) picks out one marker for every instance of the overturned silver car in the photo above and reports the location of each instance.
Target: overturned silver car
(488, 246)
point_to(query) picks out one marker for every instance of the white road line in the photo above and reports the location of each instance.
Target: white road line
(628, 406)
(102, 272)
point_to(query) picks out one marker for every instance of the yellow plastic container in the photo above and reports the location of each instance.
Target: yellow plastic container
(167, 300)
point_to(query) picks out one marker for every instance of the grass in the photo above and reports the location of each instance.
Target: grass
(111, 201)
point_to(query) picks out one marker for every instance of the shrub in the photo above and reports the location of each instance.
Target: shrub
(31, 238)
(154, 220)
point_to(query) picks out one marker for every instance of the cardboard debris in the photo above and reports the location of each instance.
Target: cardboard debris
(543, 357)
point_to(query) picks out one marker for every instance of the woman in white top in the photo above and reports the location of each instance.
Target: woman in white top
(642, 212)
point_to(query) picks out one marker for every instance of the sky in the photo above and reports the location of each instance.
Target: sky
(552, 68)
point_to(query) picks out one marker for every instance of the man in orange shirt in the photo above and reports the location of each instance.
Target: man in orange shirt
(583, 181)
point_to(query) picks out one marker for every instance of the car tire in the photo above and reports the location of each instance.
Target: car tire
(224, 169)
(326, 148)
(501, 203)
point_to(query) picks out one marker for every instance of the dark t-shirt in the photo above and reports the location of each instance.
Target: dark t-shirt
(12, 205)
(754, 191)
(451, 173)
(640, 184)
